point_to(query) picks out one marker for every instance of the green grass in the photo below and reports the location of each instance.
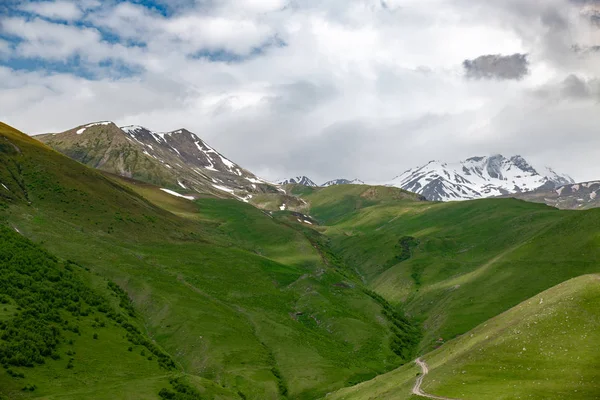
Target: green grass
(474, 259)
(234, 296)
(60, 330)
(544, 348)
(253, 304)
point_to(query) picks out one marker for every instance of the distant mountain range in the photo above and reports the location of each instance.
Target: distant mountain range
(343, 182)
(180, 161)
(306, 181)
(177, 160)
(477, 177)
(473, 178)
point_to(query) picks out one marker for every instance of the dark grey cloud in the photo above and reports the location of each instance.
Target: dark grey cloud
(578, 88)
(497, 66)
(573, 87)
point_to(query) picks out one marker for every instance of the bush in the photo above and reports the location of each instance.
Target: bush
(182, 391)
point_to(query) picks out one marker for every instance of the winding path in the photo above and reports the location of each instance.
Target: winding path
(417, 388)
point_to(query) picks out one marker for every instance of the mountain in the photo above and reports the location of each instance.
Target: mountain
(113, 288)
(343, 182)
(305, 181)
(477, 177)
(245, 304)
(574, 196)
(299, 180)
(177, 160)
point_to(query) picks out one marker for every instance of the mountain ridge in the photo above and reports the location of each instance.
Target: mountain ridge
(298, 180)
(290, 305)
(477, 177)
(177, 159)
(343, 181)
(572, 196)
(306, 181)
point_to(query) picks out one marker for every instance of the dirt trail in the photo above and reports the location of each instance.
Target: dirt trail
(417, 388)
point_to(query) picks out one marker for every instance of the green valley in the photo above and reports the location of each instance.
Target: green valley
(233, 296)
(141, 292)
(544, 348)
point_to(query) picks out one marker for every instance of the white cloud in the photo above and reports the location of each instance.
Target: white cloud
(59, 42)
(214, 33)
(363, 88)
(60, 10)
(187, 33)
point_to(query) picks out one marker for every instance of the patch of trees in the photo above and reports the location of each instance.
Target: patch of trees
(405, 246)
(137, 338)
(181, 391)
(50, 298)
(406, 335)
(45, 292)
(404, 250)
(124, 300)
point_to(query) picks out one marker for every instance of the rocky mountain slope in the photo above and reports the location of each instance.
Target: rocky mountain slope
(234, 295)
(578, 196)
(477, 177)
(177, 160)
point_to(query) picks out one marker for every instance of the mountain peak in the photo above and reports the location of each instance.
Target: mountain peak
(133, 128)
(173, 160)
(342, 181)
(81, 129)
(476, 177)
(298, 180)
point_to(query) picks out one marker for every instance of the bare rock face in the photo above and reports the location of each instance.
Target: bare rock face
(572, 196)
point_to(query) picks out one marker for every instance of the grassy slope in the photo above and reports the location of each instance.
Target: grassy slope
(544, 348)
(92, 358)
(231, 294)
(474, 259)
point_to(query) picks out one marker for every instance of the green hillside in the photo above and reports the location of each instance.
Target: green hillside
(66, 331)
(233, 302)
(232, 295)
(544, 348)
(455, 265)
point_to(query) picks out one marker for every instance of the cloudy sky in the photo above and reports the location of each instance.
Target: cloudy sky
(326, 88)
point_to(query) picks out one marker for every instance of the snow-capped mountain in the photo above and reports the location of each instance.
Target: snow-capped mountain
(477, 177)
(173, 160)
(298, 180)
(304, 180)
(343, 182)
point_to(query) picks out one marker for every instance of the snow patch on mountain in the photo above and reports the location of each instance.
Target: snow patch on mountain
(81, 130)
(173, 193)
